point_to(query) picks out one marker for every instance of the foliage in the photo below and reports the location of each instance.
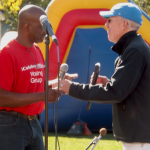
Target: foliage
(41, 3)
(12, 7)
(144, 5)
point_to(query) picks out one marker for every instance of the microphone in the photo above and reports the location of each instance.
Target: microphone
(48, 28)
(63, 70)
(96, 73)
(102, 132)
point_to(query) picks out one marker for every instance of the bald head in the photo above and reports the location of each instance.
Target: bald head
(29, 13)
(30, 29)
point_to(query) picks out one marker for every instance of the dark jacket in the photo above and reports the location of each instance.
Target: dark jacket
(128, 90)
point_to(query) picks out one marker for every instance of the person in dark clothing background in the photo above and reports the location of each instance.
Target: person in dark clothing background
(129, 87)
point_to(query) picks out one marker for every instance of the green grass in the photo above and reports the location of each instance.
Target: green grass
(81, 142)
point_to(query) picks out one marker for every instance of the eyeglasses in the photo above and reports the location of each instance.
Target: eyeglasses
(110, 20)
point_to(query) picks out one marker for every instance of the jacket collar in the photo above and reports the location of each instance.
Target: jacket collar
(123, 42)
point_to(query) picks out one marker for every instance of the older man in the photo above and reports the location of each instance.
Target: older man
(22, 79)
(129, 87)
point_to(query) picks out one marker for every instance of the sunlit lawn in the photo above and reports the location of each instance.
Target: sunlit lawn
(81, 142)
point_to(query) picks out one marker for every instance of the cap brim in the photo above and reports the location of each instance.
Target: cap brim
(106, 14)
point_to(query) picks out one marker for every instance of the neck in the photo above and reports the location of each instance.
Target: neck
(24, 42)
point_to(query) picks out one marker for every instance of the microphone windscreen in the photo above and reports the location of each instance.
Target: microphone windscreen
(103, 131)
(97, 64)
(43, 18)
(64, 67)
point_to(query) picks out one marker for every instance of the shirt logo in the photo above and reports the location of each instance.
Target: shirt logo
(38, 66)
(35, 76)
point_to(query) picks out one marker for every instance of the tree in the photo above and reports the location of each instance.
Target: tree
(12, 7)
(144, 5)
(41, 3)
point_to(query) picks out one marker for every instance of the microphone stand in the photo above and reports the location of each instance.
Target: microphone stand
(47, 42)
(102, 132)
(94, 142)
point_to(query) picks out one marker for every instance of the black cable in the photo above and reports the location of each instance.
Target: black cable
(90, 49)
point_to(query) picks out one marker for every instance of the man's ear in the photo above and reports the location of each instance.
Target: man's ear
(26, 27)
(125, 24)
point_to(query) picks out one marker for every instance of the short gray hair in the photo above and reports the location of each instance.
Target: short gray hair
(133, 25)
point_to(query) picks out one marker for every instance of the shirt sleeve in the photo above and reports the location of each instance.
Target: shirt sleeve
(6, 70)
(124, 80)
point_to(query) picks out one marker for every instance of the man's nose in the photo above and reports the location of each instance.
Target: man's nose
(44, 32)
(106, 24)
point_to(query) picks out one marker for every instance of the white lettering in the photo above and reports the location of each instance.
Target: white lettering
(36, 80)
(37, 73)
(38, 66)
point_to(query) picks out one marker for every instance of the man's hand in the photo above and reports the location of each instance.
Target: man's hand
(67, 76)
(64, 86)
(71, 76)
(52, 95)
(100, 80)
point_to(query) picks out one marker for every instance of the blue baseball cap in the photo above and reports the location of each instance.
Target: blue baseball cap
(125, 10)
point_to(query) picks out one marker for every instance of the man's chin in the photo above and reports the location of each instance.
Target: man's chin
(39, 41)
(111, 40)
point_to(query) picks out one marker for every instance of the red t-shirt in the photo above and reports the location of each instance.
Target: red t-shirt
(22, 70)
